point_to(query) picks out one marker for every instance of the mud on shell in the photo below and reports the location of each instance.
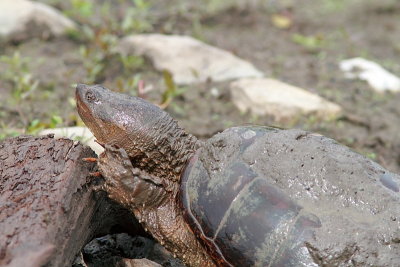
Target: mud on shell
(240, 216)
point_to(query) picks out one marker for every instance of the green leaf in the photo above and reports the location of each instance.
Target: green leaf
(170, 88)
(34, 123)
(310, 42)
(84, 7)
(55, 120)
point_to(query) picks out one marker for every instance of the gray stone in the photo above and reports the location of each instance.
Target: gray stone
(280, 100)
(188, 60)
(138, 263)
(22, 19)
(377, 77)
(125, 250)
(82, 134)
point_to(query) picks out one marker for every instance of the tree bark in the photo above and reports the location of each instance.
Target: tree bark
(48, 206)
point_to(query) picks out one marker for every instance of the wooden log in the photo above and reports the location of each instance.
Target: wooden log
(48, 207)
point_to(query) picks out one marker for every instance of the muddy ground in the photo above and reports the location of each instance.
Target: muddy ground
(330, 30)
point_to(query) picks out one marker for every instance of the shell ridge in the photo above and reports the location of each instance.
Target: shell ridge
(283, 243)
(198, 226)
(229, 210)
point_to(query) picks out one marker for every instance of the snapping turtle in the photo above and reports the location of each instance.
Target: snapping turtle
(206, 202)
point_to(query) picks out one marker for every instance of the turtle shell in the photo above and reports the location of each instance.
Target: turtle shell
(237, 212)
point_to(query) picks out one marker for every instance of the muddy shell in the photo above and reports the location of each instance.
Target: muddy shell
(258, 196)
(239, 214)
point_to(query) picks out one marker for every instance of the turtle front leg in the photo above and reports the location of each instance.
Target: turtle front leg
(153, 203)
(128, 186)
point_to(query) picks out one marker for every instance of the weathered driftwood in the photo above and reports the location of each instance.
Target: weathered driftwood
(48, 207)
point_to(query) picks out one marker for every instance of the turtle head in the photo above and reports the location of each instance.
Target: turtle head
(152, 139)
(96, 110)
(114, 118)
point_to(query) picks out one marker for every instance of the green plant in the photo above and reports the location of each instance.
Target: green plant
(198, 29)
(5, 131)
(216, 6)
(130, 62)
(131, 84)
(138, 17)
(92, 62)
(99, 34)
(37, 125)
(371, 155)
(333, 5)
(21, 80)
(171, 90)
(80, 9)
(95, 56)
(311, 42)
(18, 73)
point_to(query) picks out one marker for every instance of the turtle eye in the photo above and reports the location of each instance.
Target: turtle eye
(90, 97)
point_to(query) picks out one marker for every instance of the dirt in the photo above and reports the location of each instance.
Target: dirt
(371, 121)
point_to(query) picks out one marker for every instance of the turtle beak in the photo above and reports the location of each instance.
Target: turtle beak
(80, 91)
(81, 104)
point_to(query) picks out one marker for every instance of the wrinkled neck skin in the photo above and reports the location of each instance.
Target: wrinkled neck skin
(154, 207)
(162, 151)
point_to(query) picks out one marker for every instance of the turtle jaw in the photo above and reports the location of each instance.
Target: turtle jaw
(80, 90)
(83, 107)
(84, 111)
(87, 112)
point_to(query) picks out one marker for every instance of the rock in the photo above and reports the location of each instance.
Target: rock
(278, 99)
(162, 256)
(137, 263)
(377, 77)
(22, 19)
(102, 250)
(121, 250)
(188, 60)
(82, 134)
(79, 261)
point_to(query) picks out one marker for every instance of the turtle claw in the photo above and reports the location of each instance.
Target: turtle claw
(90, 159)
(95, 174)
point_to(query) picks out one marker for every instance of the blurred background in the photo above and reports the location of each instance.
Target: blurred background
(305, 51)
